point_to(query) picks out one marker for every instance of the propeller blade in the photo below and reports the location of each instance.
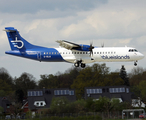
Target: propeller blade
(90, 49)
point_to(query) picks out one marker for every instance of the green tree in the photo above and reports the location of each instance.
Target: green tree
(1, 110)
(80, 106)
(105, 104)
(124, 76)
(5, 77)
(58, 105)
(142, 90)
(5, 88)
(48, 81)
(24, 82)
(96, 75)
(19, 95)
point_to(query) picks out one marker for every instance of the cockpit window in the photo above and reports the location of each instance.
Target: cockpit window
(133, 50)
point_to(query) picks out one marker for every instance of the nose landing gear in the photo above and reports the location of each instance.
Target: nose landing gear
(135, 63)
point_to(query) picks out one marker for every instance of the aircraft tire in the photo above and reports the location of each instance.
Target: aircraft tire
(76, 64)
(83, 65)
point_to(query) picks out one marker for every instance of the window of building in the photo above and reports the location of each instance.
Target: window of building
(34, 93)
(71, 92)
(116, 90)
(93, 91)
(127, 90)
(63, 92)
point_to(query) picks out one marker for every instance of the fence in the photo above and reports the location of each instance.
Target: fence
(85, 116)
(75, 116)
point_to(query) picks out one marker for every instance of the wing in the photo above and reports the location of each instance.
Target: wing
(68, 45)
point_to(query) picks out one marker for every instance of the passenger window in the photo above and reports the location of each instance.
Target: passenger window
(44, 53)
(52, 52)
(49, 52)
(97, 52)
(94, 52)
(83, 52)
(105, 52)
(80, 52)
(100, 52)
(108, 52)
(77, 52)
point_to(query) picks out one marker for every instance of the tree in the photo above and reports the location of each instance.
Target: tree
(142, 90)
(24, 82)
(105, 104)
(1, 110)
(5, 77)
(124, 76)
(5, 88)
(19, 95)
(59, 105)
(48, 81)
(96, 75)
(137, 75)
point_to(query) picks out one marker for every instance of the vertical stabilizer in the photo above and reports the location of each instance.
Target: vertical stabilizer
(16, 41)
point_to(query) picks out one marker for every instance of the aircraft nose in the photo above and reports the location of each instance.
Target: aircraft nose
(141, 56)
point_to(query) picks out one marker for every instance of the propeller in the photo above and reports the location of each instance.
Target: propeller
(90, 49)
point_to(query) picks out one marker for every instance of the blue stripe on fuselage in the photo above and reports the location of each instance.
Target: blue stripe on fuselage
(40, 54)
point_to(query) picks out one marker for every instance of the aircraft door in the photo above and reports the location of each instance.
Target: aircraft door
(39, 56)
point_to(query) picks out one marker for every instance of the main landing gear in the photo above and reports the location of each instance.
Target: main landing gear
(135, 63)
(78, 63)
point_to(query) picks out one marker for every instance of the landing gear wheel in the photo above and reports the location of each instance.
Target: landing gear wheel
(135, 64)
(83, 65)
(76, 64)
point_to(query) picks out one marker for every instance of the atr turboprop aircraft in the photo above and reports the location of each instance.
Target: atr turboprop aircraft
(78, 54)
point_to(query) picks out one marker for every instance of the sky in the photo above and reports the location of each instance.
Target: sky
(116, 23)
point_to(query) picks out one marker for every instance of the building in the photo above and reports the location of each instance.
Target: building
(41, 98)
(5, 104)
(120, 92)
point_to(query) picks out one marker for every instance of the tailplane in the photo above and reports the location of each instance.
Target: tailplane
(16, 41)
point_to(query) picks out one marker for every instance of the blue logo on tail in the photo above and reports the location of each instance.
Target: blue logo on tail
(18, 43)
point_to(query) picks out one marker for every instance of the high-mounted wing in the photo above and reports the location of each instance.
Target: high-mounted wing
(68, 45)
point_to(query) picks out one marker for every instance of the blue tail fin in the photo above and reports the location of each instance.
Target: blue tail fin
(16, 41)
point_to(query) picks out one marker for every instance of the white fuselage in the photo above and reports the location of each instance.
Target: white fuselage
(105, 54)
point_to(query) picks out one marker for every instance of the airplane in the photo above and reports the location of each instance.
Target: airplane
(78, 54)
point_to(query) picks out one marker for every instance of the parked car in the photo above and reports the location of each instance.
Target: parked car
(142, 115)
(8, 117)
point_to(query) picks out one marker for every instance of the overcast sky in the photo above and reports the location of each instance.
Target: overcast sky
(115, 23)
